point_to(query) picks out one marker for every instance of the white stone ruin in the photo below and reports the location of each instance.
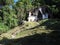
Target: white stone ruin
(32, 18)
(44, 16)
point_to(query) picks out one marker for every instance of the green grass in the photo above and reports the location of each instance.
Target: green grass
(30, 28)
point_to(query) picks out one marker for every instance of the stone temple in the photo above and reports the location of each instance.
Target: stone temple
(39, 13)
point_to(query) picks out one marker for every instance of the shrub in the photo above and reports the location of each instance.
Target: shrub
(3, 28)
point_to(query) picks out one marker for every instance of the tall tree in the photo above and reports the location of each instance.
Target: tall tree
(23, 6)
(54, 5)
(8, 18)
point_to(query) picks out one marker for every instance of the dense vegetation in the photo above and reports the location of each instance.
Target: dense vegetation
(12, 14)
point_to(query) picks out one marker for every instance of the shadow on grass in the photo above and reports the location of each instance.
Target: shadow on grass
(52, 38)
(52, 24)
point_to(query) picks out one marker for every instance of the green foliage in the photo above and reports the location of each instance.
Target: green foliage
(3, 28)
(23, 6)
(10, 17)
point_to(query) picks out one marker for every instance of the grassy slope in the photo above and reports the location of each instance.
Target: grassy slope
(32, 28)
(29, 28)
